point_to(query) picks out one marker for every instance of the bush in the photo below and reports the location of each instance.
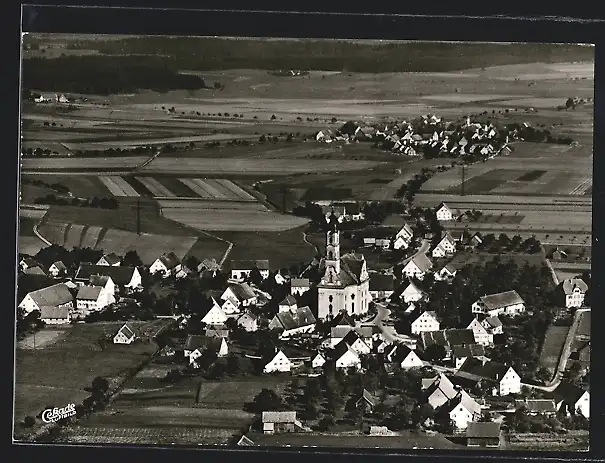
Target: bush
(29, 421)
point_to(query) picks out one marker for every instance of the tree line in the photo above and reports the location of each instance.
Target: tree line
(99, 203)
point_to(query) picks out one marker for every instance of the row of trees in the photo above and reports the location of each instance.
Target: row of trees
(504, 244)
(99, 203)
(58, 187)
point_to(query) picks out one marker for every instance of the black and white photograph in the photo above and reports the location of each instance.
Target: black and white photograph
(288, 242)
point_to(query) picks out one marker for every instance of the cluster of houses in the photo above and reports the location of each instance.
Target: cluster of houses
(55, 98)
(426, 133)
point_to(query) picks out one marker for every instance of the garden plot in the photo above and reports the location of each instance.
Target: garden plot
(155, 187)
(487, 181)
(118, 186)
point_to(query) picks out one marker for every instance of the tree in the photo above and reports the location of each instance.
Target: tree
(233, 365)
(273, 117)
(326, 423)
(29, 421)
(132, 259)
(219, 368)
(435, 352)
(99, 386)
(265, 400)
(421, 414)
(312, 391)
(192, 262)
(255, 277)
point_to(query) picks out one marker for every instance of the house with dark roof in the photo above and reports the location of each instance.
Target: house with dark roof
(57, 295)
(293, 322)
(447, 272)
(167, 265)
(287, 304)
(197, 345)
(92, 298)
(507, 302)
(382, 285)
(461, 353)
(125, 277)
(111, 260)
(448, 338)
(55, 315)
(37, 271)
(248, 321)
(438, 391)
(344, 357)
(355, 342)
(280, 422)
(571, 399)
(241, 269)
(571, 292)
(493, 325)
(28, 262)
(366, 399)
(502, 378)
(535, 407)
(57, 269)
(443, 212)
(125, 335)
(484, 434)
(445, 247)
(417, 266)
(241, 294)
(299, 286)
(279, 363)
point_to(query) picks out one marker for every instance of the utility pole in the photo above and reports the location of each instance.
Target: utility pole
(462, 184)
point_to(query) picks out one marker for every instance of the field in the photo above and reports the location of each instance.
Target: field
(282, 249)
(193, 411)
(462, 259)
(584, 326)
(33, 165)
(57, 374)
(552, 347)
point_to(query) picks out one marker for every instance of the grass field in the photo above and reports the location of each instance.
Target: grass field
(57, 374)
(552, 347)
(462, 259)
(81, 163)
(282, 249)
(82, 186)
(584, 326)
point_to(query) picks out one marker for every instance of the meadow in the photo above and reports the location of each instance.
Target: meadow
(553, 346)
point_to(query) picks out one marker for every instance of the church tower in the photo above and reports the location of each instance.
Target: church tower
(332, 260)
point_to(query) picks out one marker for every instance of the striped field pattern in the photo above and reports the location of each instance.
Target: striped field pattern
(217, 188)
(193, 185)
(212, 187)
(118, 186)
(156, 188)
(240, 192)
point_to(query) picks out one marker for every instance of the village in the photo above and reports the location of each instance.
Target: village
(460, 361)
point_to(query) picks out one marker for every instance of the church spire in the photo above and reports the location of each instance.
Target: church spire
(332, 260)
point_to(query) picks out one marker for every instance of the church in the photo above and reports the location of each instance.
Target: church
(345, 286)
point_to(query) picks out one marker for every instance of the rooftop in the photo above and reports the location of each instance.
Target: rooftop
(501, 300)
(483, 429)
(54, 295)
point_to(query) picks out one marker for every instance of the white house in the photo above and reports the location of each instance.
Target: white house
(318, 361)
(167, 265)
(445, 247)
(354, 341)
(418, 266)
(493, 325)
(299, 286)
(124, 277)
(571, 399)
(57, 269)
(508, 302)
(279, 363)
(289, 303)
(427, 321)
(110, 260)
(124, 335)
(444, 213)
(229, 306)
(463, 352)
(55, 315)
(28, 262)
(407, 358)
(345, 357)
(406, 233)
(63, 99)
(382, 285)
(462, 410)
(412, 293)
(215, 316)
(504, 379)
(240, 294)
(248, 321)
(438, 390)
(92, 298)
(196, 345)
(574, 292)
(241, 269)
(447, 272)
(294, 322)
(57, 295)
(482, 336)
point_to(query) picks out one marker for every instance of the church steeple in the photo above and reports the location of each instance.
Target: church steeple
(332, 260)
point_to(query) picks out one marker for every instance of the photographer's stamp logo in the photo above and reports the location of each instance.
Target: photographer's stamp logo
(52, 415)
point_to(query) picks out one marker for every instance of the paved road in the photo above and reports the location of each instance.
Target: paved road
(37, 233)
(389, 333)
(565, 353)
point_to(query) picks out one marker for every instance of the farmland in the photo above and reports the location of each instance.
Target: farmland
(553, 346)
(462, 259)
(58, 373)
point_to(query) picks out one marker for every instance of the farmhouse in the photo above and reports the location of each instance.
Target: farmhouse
(462, 410)
(28, 262)
(461, 353)
(571, 399)
(535, 407)
(299, 286)
(37, 271)
(345, 357)
(427, 321)
(125, 277)
(241, 269)
(417, 266)
(167, 264)
(248, 321)
(493, 325)
(345, 285)
(92, 298)
(318, 361)
(367, 400)
(196, 345)
(407, 358)
(209, 265)
(240, 294)
(447, 338)
(296, 321)
(503, 378)
(215, 316)
(508, 302)
(55, 315)
(484, 434)
(124, 335)
(447, 272)
(279, 363)
(105, 282)
(381, 286)
(445, 247)
(412, 293)
(340, 333)
(289, 303)
(439, 391)
(572, 292)
(57, 295)
(57, 269)
(280, 422)
(482, 335)
(111, 260)
(354, 341)
(443, 212)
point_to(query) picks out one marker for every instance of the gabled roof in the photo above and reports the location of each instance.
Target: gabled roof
(170, 260)
(568, 392)
(469, 350)
(209, 264)
(493, 322)
(339, 332)
(368, 397)
(428, 313)
(34, 271)
(111, 258)
(421, 261)
(296, 318)
(342, 319)
(126, 331)
(300, 282)
(483, 429)
(289, 301)
(501, 300)
(473, 367)
(448, 338)
(217, 333)
(341, 349)
(279, 417)
(443, 206)
(89, 293)
(30, 262)
(54, 313)
(414, 288)
(262, 264)
(536, 405)
(571, 284)
(445, 236)
(351, 338)
(54, 295)
(242, 291)
(120, 275)
(381, 282)
(203, 342)
(59, 265)
(249, 315)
